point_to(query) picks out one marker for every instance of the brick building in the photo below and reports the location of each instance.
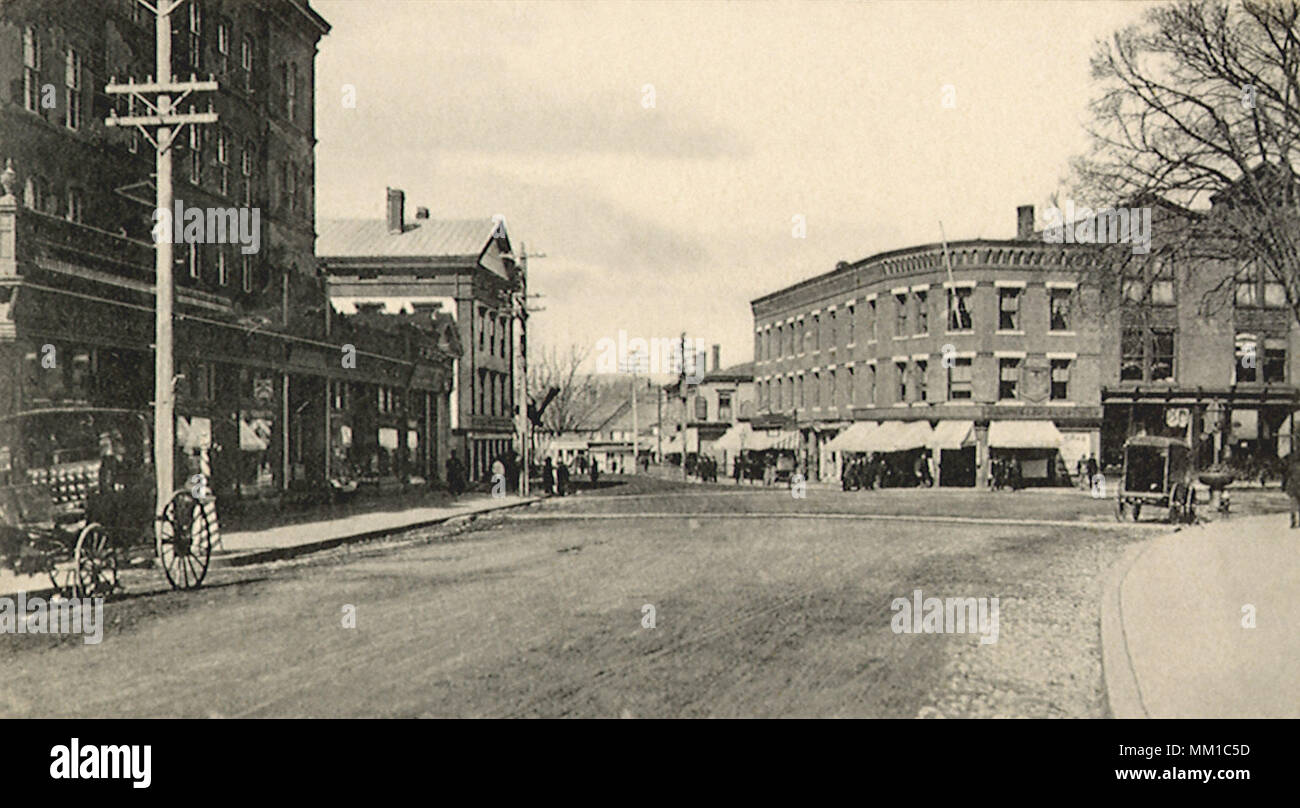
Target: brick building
(261, 359)
(1026, 350)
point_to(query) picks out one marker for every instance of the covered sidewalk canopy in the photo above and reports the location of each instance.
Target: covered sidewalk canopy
(782, 439)
(953, 435)
(854, 439)
(740, 436)
(900, 436)
(1024, 435)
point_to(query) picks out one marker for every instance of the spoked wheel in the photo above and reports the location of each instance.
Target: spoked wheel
(184, 541)
(96, 563)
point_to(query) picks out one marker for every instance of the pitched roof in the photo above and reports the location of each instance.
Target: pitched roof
(744, 372)
(366, 238)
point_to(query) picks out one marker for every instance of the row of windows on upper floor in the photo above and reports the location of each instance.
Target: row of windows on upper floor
(206, 47)
(911, 311)
(910, 316)
(909, 380)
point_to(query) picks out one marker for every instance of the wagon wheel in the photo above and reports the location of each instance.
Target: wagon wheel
(184, 541)
(96, 563)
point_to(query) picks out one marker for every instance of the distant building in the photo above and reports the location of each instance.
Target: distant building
(465, 269)
(1019, 353)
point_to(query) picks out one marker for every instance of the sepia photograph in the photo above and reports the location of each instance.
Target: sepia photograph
(791, 359)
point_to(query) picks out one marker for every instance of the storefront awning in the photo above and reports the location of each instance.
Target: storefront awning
(738, 437)
(1024, 435)
(953, 435)
(899, 436)
(783, 439)
(854, 439)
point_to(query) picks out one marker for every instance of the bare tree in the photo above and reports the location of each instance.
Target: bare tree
(575, 394)
(1199, 119)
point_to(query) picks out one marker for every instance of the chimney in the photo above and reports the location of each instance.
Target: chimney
(717, 358)
(1025, 223)
(396, 204)
(421, 213)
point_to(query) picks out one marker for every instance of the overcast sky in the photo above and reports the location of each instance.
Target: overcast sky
(674, 216)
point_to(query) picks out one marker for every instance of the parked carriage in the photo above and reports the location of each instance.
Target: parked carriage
(78, 502)
(1157, 473)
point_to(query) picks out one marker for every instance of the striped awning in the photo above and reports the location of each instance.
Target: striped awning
(953, 435)
(854, 439)
(738, 437)
(783, 439)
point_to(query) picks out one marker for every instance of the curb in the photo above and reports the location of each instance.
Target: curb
(1123, 694)
(243, 559)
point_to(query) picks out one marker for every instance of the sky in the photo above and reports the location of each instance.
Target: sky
(667, 157)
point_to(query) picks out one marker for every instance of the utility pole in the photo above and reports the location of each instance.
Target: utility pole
(681, 390)
(521, 311)
(168, 124)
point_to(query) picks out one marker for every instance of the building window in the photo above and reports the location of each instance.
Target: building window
(340, 393)
(223, 47)
(246, 61)
(803, 402)
(195, 261)
(900, 315)
(871, 318)
(850, 326)
(834, 335)
(1008, 379)
(871, 384)
(72, 90)
(1060, 380)
(1061, 302)
(901, 369)
(1274, 360)
(1008, 309)
(959, 308)
(246, 270)
(817, 332)
(1247, 359)
(701, 408)
(922, 315)
(724, 406)
(922, 368)
(74, 207)
(246, 168)
(31, 70)
(223, 277)
(780, 395)
(196, 154)
(1132, 354)
(1162, 354)
(223, 158)
(817, 389)
(290, 90)
(1152, 283)
(830, 394)
(1248, 287)
(851, 386)
(959, 379)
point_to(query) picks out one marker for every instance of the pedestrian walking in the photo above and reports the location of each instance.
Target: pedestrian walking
(548, 476)
(561, 479)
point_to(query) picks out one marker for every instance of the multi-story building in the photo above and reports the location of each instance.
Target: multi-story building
(1021, 346)
(461, 268)
(985, 335)
(260, 358)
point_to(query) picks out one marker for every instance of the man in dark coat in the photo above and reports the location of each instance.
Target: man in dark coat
(548, 476)
(1291, 482)
(561, 479)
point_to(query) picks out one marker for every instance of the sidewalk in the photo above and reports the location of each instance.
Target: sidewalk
(1173, 642)
(239, 548)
